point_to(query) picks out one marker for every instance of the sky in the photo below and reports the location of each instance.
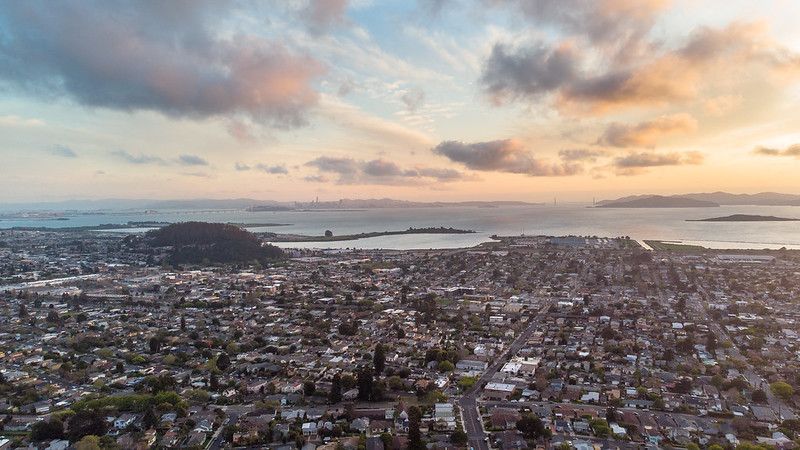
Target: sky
(419, 100)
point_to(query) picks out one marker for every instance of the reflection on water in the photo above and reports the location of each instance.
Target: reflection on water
(659, 224)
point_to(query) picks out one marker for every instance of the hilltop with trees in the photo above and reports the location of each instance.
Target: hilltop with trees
(202, 242)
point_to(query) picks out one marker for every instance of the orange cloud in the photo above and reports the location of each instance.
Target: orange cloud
(647, 134)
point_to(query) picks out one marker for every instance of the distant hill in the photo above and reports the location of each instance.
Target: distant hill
(202, 242)
(249, 204)
(745, 218)
(724, 198)
(658, 201)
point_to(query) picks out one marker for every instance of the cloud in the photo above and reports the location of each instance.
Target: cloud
(791, 151)
(17, 121)
(647, 134)
(63, 151)
(378, 171)
(137, 159)
(166, 57)
(191, 160)
(241, 131)
(508, 155)
(380, 131)
(619, 28)
(241, 167)
(529, 72)
(413, 99)
(320, 16)
(346, 87)
(580, 154)
(275, 170)
(316, 179)
(635, 163)
(581, 83)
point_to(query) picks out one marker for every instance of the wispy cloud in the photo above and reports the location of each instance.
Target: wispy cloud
(63, 151)
(141, 158)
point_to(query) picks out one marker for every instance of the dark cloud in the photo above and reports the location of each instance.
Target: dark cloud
(581, 154)
(241, 167)
(634, 163)
(527, 72)
(63, 151)
(137, 159)
(647, 133)
(619, 28)
(791, 151)
(315, 179)
(275, 170)
(378, 171)
(578, 83)
(159, 56)
(320, 16)
(341, 166)
(191, 160)
(413, 99)
(508, 155)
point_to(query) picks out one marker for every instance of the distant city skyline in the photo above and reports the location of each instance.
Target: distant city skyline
(429, 100)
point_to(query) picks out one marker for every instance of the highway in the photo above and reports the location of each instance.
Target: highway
(468, 403)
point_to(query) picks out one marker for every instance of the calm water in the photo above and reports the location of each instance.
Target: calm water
(662, 224)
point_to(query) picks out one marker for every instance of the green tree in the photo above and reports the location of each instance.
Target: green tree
(782, 389)
(379, 358)
(365, 384)
(335, 396)
(459, 438)
(531, 427)
(87, 422)
(46, 430)
(90, 442)
(223, 361)
(415, 441)
(309, 388)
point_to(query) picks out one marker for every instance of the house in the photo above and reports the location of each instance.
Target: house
(124, 421)
(498, 391)
(309, 429)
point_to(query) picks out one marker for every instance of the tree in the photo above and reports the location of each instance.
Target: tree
(89, 442)
(782, 389)
(309, 388)
(52, 316)
(759, 396)
(183, 323)
(684, 385)
(365, 384)
(213, 382)
(335, 395)
(23, 311)
(46, 430)
(87, 422)
(155, 344)
(328, 233)
(379, 358)
(531, 427)
(149, 420)
(223, 361)
(459, 438)
(414, 435)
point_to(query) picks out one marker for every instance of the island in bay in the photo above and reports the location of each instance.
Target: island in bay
(745, 218)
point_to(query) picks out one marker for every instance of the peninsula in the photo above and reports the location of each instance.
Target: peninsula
(745, 218)
(329, 236)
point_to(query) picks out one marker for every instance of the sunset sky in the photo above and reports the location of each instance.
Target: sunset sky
(418, 100)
